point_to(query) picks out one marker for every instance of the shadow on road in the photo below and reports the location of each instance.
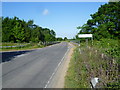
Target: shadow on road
(7, 56)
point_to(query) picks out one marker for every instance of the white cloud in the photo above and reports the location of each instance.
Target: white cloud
(45, 12)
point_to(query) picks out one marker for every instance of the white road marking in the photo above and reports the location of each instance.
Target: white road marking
(56, 69)
(5, 62)
(15, 57)
(21, 55)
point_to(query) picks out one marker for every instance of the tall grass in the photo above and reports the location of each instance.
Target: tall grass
(94, 61)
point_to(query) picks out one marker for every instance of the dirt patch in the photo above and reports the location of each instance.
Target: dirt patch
(59, 77)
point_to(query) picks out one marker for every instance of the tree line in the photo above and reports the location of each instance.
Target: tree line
(105, 23)
(18, 31)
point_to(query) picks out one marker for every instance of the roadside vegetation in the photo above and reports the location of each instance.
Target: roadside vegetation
(102, 57)
(94, 61)
(25, 46)
(18, 34)
(20, 46)
(19, 31)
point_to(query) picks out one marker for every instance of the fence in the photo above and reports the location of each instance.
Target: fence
(12, 46)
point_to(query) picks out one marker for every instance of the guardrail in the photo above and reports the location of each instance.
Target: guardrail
(76, 43)
(43, 43)
(50, 43)
(12, 46)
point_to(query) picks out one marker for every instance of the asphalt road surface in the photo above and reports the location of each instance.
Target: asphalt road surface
(33, 69)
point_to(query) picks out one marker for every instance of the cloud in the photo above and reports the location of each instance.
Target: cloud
(45, 12)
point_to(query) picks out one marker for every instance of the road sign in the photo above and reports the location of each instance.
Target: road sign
(85, 35)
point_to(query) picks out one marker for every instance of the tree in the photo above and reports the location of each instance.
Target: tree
(19, 32)
(7, 25)
(105, 23)
(65, 38)
(0, 29)
(37, 34)
(59, 39)
(16, 30)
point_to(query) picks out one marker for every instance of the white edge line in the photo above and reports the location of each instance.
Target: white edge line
(21, 55)
(56, 68)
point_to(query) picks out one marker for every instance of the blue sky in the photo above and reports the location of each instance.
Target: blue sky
(62, 17)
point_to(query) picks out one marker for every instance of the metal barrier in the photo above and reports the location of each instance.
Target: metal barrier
(12, 46)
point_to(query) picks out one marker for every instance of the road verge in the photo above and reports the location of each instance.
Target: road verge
(88, 63)
(58, 79)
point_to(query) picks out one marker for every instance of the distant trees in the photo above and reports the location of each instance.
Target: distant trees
(65, 38)
(16, 30)
(105, 23)
(59, 39)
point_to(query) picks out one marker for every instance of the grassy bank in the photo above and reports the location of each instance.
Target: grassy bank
(93, 61)
(13, 44)
(26, 47)
(76, 76)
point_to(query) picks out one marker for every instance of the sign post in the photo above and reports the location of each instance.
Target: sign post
(86, 36)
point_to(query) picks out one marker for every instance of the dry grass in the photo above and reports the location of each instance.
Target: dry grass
(88, 64)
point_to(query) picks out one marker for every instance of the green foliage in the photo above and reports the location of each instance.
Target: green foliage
(16, 30)
(65, 38)
(59, 39)
(105, 23)
(0, 29)
(105, 27)
(110, 47)
(76, 74)
(89, 62)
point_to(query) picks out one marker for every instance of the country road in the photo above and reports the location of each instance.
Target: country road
(33, 69)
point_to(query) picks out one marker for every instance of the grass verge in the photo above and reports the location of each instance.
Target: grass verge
(75, 77)
(87, 63)
(26, 47)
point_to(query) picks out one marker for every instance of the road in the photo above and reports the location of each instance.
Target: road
(33, 69)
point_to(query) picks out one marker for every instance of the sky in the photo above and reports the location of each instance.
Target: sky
(55, 0)
(62, 17)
